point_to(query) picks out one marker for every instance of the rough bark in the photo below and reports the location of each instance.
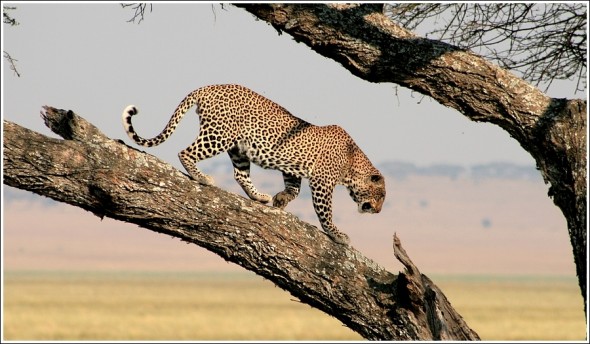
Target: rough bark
(375, 49)
(109, 178)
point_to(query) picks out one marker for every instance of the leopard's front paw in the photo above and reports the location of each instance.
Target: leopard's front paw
(339, 237)
(281, 199)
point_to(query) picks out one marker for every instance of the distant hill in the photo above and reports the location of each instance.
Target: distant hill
(495, 170)
(402, 169)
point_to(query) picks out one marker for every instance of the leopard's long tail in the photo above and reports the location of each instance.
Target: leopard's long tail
(187, 103)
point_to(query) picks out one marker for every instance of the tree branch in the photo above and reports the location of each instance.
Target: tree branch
(109, 178)
(543, 42)
(372, 47)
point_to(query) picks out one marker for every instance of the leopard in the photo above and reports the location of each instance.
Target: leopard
(253, 129)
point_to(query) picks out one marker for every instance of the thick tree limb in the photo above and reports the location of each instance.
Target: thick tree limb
(109, 178)
(374, 48)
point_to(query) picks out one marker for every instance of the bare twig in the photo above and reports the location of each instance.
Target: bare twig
(7, 19)
(12, 63)
(139, 11)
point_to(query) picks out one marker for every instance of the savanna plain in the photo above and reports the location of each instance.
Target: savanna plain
(241, 306)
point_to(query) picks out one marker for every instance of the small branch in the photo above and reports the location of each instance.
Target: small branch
(12, 63)
(418, 292)
(139, 11)
(402, 256)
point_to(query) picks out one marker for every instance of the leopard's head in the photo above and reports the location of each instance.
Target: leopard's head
(366, 185)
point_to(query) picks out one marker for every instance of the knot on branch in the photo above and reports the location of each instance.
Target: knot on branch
(61, 122)
(103, 200)
(70, 126)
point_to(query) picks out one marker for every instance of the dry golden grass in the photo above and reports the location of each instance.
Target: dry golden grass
(188, 306)
(158, 307)
(519, 308)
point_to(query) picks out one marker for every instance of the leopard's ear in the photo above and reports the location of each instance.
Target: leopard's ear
(376, 178)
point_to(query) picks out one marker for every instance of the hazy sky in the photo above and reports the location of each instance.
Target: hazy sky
(88, 58)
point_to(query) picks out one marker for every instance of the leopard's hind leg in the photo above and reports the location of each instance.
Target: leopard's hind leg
(188, 159)
(207, 145)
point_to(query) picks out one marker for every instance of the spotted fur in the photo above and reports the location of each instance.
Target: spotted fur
(253, 129)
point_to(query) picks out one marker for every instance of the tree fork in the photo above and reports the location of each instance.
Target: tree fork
(108, 178)
(369, 45)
